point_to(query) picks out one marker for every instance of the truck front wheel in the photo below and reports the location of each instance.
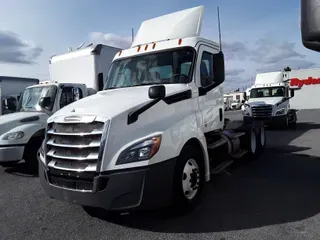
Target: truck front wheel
(188, 179)
(30, 154)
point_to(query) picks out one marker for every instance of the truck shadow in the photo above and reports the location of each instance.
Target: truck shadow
(21, 170)
(281, 187)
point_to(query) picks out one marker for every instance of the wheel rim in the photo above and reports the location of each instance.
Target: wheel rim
(253, 142)
(262, 137)
(190, 179)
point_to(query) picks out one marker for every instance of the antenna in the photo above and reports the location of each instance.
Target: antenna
(132, 34)
(220, 43)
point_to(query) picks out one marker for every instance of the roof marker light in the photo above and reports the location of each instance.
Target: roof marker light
(154, 45)
(146, 47)
(179, 41)
(138, 48)
(120, 52)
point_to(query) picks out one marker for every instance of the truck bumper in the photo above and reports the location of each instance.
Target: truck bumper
(274, 120)
(140, 189)
(11, 153)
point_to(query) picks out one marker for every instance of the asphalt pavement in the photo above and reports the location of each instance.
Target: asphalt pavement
(275, 197)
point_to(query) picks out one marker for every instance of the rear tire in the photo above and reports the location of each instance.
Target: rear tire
(285, 123)
(189, 179)
(262, 139)
(252, 144)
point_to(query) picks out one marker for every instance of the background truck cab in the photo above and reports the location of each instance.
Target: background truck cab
(74, 75)
(269, 100)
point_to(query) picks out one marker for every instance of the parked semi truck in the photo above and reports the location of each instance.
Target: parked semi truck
(156, 133)
(74, 75)
(270, 100)
(10, 91)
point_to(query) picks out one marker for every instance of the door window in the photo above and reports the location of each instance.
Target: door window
(206, 69)
(70, 95)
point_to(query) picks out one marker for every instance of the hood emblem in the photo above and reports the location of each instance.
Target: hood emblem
(72, 118)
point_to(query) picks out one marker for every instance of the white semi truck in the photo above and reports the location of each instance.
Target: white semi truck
(156, 133)
(10, 91)
(74, 75)
(270, 100)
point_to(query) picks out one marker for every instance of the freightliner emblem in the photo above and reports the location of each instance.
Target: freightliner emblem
(72, 118)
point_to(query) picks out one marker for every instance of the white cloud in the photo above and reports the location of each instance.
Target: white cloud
(110, 39)
(233, 72)
(268, 51)
(281, 64)
(15, 50)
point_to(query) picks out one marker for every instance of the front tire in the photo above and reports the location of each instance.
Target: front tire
(31, 152)
(189, 179)
(9, 164)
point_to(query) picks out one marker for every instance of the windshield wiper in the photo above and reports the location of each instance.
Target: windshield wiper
(116, 87)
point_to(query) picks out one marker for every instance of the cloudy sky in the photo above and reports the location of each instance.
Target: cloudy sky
(258, 35)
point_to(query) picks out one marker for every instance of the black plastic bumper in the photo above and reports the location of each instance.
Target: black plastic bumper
(274, 120)
(143, 188)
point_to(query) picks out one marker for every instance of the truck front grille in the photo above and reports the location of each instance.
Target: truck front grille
(262, 111)
(73, 148)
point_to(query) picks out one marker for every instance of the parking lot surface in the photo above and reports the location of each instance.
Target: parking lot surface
(275, 197)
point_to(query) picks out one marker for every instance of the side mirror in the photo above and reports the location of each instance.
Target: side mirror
(310, 24)
(157, 92)
(218, 67)
(45, 102)
(291, 93)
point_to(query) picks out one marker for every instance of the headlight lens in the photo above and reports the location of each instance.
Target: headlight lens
(141, 151)
(281, 111)
(13, 136)
(245, 110)
(41, 151)
(42, 148)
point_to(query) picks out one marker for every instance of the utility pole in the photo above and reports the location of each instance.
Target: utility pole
(132, 34)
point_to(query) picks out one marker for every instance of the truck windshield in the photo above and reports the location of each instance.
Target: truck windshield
(267, 92)
(166, 67)
(29, 100)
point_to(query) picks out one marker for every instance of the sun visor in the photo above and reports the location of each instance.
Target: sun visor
(181, 24)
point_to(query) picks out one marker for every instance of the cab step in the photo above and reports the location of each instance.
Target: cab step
(221, 167)
(217, 143)
(240, 153)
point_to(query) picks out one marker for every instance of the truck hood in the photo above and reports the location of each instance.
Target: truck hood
(264, 101)
(110, 103)
(12, 120)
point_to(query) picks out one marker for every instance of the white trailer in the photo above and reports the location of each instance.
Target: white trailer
(74, 75)
(269, 100)
(10, 90)
(156, 133)
(306, 83)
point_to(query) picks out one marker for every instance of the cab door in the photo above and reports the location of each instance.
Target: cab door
(209, 79)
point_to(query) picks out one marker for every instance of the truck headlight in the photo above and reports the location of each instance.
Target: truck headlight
(245, 110)
(13, 135)
(141, 151)
(41, 151)
(281, 111)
